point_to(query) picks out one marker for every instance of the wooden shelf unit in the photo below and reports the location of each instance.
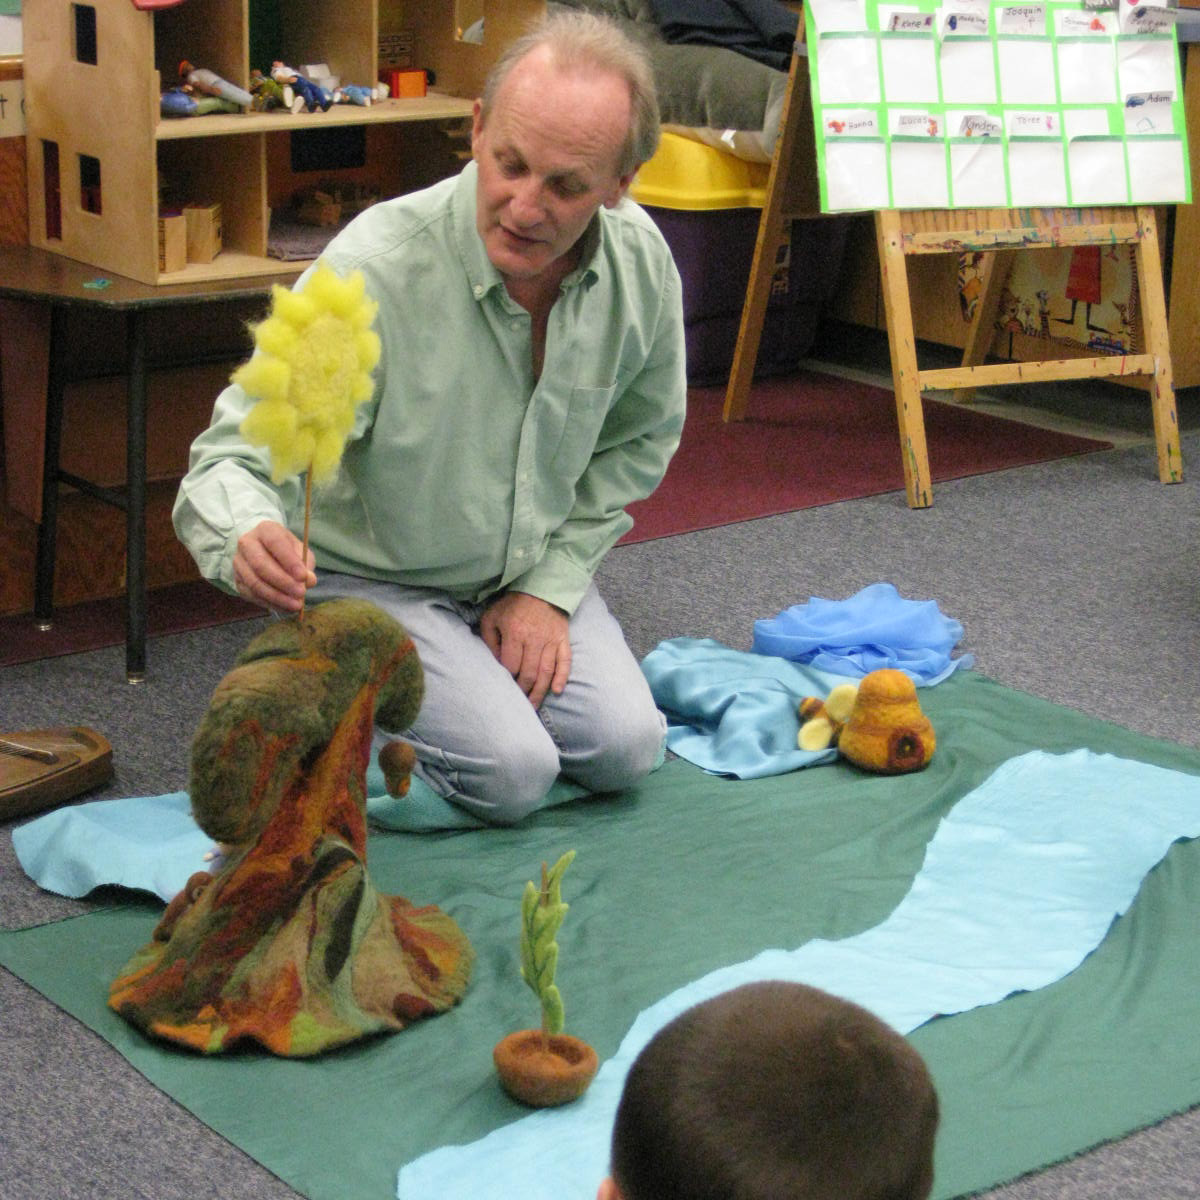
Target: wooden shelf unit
(89, 119)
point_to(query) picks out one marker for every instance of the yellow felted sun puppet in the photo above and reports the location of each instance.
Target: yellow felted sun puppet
(316, 351)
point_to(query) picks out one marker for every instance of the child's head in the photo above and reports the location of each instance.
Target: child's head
(775, 1090)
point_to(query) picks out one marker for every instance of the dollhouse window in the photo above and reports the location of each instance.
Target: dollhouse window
(89, 184)
(51, 189)
(85, 33)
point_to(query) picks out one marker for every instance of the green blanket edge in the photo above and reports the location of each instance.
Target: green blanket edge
(1036, 1079)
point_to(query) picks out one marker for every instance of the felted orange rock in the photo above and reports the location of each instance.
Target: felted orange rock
(886, 731)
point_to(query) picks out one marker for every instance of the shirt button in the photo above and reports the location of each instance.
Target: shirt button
(519, 554)
(478, 289)
(515, 323)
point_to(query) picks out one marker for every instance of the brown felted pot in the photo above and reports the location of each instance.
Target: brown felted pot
(547, 1074)
(886, 731)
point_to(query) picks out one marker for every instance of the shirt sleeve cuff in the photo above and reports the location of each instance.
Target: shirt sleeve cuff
(557, 580)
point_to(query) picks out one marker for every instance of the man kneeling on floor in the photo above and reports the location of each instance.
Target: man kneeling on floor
(531, 386)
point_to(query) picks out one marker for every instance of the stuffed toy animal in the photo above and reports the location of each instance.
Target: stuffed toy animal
(878, 724)
(288, 943)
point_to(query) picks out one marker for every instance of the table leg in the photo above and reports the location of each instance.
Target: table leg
(135, 511)
(47, 535)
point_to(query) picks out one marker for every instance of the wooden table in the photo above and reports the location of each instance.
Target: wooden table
(59, 284)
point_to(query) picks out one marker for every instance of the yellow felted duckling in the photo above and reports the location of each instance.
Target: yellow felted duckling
(822, 721)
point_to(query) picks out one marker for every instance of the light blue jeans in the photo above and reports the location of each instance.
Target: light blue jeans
(478, 740)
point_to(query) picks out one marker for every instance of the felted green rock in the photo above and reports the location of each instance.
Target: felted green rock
(289, 944)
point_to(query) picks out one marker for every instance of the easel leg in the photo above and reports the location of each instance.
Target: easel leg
(1154, 325)
(993, 273)
(771, 231)
(902, 344)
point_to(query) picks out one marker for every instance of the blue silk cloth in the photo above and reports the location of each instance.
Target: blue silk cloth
(1021, 881)
(735, 713)
(732, 712)
(152, 843)
(874, 628)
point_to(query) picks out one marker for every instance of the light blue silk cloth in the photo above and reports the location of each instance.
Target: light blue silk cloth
(152, 843)
(735, 713)
(874, 628)
(1020, 882)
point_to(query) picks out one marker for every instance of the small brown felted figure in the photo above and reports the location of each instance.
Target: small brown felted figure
(886, 731)
(289, 944)
(877, 724)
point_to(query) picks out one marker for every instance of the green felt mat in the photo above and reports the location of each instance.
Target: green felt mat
(684, 875)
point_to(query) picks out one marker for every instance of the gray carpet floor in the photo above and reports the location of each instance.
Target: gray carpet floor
(1077, 580)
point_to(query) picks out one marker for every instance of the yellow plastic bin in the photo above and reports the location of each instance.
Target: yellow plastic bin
(707, 204)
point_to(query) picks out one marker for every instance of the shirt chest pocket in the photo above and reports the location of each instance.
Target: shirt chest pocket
(581, 424)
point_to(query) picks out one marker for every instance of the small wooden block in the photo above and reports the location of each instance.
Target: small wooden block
(203, 232)
(172, 242)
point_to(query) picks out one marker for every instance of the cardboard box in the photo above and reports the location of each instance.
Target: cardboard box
(406, 82)
(203, 232)
(172, 242)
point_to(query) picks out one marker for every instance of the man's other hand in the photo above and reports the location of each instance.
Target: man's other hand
(530, 639)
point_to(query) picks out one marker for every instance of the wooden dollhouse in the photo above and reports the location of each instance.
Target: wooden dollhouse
(101, 159)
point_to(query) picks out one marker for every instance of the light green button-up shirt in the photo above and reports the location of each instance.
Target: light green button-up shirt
(462, 472)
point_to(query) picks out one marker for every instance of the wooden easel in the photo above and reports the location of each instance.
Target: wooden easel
(792, 192)
(999, 233)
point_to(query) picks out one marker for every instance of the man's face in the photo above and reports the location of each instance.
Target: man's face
(547, 160)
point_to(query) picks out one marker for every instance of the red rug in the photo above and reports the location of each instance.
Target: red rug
(813, 439)
(808, 439)
(173, 609)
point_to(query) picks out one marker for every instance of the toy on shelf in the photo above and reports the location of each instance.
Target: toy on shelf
(877, 724)
(209, 83)
(181, 102)
(332, 203)
(266, 92)
(300, 94)
(315, 206)
(353, 93)
(544, 1067)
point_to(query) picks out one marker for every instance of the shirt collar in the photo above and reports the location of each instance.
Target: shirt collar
(482, 275)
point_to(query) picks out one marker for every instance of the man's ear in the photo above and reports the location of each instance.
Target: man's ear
(608, 1190)
(619, 191)
(476, 124)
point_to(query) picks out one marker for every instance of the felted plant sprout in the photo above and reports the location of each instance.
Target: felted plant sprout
(542, 913)
(544, 1067)
(315, 354)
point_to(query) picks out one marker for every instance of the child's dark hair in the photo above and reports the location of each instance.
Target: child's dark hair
(776, 1090)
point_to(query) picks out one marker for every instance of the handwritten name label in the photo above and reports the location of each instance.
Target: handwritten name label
(1082, 24)
(903, 22)
(980, 125)
(916, 125)
(1033, 124)
(1023, 19)
(1146, 18)
(854, 123)
(965, 24)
